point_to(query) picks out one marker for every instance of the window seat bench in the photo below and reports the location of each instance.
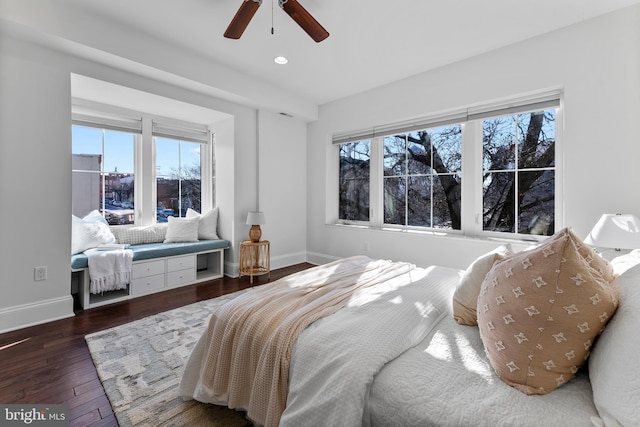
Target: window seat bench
(156, 267)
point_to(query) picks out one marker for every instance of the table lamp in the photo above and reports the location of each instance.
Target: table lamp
(619, 231)
(255, 219)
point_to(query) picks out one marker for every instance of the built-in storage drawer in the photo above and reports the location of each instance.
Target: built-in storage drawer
(180, 277)
(181, 263)
(155, 275)
(147, 268)
(147, 285)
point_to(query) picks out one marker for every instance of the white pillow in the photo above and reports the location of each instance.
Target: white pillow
(89, 232)
(182, 230)
(615, 377)
(465, 297)
(208, 226)
(140, 234)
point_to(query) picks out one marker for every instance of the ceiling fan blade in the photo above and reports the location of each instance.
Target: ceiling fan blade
(242, 18)
(304, 19)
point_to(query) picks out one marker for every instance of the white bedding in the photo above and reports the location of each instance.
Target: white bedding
(446, 380)
(394, 356)
(336, 358)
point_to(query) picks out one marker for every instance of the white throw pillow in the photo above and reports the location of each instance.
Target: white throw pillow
(615, 377)
(208, 225)
(89, 232)
(140, 234)
(465, 297)
(182, 230)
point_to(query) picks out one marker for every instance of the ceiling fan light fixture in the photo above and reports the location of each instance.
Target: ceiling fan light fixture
(281, 60)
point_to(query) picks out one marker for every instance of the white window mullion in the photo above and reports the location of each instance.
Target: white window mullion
(471, 203)
(376, 189)
(206, 174)
(559, 152)
(145, 175)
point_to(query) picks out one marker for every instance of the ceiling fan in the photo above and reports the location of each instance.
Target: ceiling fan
(294, 9)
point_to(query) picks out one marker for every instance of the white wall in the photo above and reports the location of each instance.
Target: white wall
(283, 187)
(35, 173)
(35, 190)
(596, 63)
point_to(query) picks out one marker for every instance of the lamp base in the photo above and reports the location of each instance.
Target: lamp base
(255, 233)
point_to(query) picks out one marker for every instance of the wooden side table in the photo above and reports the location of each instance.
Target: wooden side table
(255, 258)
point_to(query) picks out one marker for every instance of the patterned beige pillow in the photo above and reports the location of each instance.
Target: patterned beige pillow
(465, 297)
(594, 260)
(539, 312)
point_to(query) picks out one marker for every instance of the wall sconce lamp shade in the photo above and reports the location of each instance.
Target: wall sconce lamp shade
(255, 219)
(619, 231)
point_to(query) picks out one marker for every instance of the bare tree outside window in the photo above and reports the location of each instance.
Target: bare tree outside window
(178, 178)
(422, 178)
(355, 162)
(519, 173)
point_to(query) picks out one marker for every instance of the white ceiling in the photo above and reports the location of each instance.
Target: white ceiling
(372, 42)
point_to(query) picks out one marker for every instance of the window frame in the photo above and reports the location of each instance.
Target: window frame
(356, 221)
(181, 177)
(408, 174)
(518, 169)
(102, 174)
(472, 169)
(96, 115)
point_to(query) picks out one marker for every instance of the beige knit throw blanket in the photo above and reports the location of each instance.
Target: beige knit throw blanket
(249, 340)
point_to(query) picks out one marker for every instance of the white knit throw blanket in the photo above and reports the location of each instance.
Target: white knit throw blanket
(109, 270)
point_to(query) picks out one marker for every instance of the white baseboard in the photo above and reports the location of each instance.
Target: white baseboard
(231, 268)
(319, 259)
(288, 259)
(35, 313)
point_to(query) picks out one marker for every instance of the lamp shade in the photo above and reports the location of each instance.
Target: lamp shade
(255, 218)
(620, 231)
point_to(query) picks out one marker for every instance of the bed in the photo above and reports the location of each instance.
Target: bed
(388, 350)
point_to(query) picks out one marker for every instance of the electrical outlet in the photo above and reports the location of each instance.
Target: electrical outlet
(40, 273)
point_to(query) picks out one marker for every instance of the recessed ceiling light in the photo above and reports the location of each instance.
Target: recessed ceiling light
(280, 60)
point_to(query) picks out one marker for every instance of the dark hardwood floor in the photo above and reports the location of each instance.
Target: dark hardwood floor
(50, 363)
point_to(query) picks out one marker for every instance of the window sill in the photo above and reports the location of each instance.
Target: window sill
(521, 242)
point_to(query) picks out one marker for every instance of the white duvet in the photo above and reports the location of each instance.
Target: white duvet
(336, 358)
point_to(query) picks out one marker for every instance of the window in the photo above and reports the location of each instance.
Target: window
(355, 158)
(519, 173)
(422, 178)
(138, 168)
(410, 175)
(178, 179)
(103, 173)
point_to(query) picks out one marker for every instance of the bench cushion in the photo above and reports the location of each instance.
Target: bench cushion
(159, 250)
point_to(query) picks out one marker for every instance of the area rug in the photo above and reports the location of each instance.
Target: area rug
(140, 365)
